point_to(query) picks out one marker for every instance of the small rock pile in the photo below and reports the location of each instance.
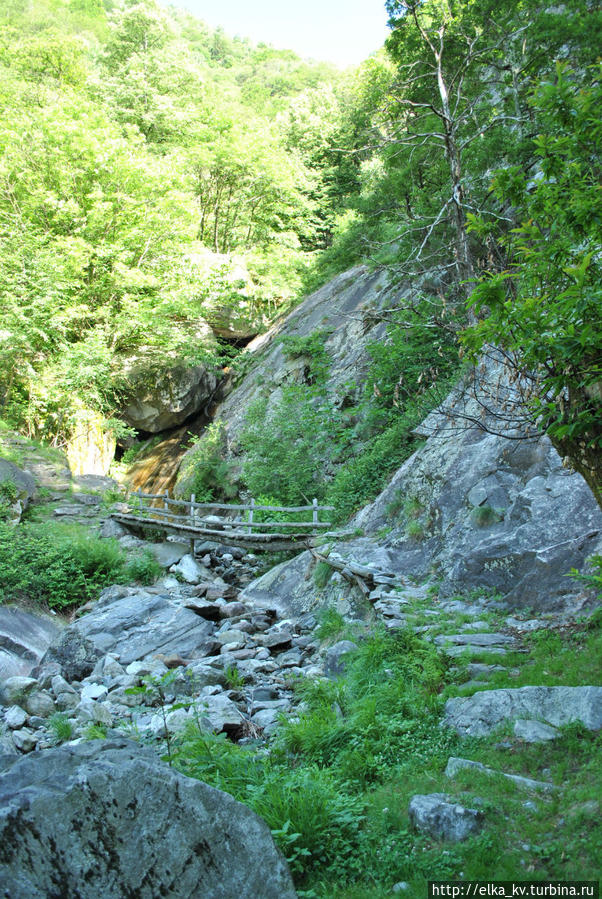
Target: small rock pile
(147, 659)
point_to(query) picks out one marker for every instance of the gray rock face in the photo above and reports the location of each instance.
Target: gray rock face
(435, 815)
(500, 514)
(342, 307)
(126, 824)
(480, 714)
(24, 638)
(534, 731)
(141, 625)
(166, 400)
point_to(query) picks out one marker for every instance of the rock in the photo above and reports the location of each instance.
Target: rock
(435, 815)
(190, 570)
(142, 624)
(15, 690)
(174, 721)
(94, 712)
(15, 717)
(210, 611)
(74, 652)
(231, 636)
(480, 714)
(543, 518)
(454, 765)
(534, 731)
(162, 401)
(475, 640)
(276, 641)
(222, 715)
(267, 719)
(204, 674)
(233, 609)
(111, 529)
(335, 661)
(67, 701)
(24, 487)
(86, 499)
(24, 638)
(25, 740)
(94, 691)
(169, 553)
(60, 685)
(95, 801)
(73, 510)
(40, 703)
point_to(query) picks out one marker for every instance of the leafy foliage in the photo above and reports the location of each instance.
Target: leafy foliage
(60, 566)
(545, 307)
(205, 472)
(138, 150)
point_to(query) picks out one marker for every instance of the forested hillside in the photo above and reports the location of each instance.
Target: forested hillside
(158, 177)
(151, 171)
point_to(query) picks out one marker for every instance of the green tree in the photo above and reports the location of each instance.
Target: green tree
(544, 309)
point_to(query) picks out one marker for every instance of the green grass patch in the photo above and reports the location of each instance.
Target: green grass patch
(337, 780)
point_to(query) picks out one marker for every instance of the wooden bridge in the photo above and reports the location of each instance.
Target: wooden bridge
(224, 522)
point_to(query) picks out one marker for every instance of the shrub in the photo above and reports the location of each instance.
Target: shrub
(484, 516)
(331, 622)
(288, 446)
(143, 568)
(415, 530)
(56, 565)
(205, 472)
(363, 477)
(61, 727)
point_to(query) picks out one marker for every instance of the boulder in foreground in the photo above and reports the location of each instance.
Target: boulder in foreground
(107, 818)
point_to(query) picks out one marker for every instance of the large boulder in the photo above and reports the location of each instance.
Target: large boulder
(497, 508)
(140, 625)
(344, 311)
(162, 400)
(107, 818)
(24, 638)
(479, 715)
(73, 653)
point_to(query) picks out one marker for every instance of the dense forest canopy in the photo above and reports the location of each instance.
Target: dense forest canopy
(154, 172)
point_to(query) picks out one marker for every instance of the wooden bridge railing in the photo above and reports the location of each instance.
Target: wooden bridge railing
(163, 507)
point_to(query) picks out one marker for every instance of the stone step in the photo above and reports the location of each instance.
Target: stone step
(454, 765)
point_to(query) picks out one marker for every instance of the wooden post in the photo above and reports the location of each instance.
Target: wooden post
(192, 501)
(166, 504)
(315, 511)
(251, 511)
(139, 492)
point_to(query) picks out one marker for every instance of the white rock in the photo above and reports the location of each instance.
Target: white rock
(190, 570)
(15, 717)
(94, 691)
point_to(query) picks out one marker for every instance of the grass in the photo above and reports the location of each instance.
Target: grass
(337, 780)
(322, 574)
(60, 727)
